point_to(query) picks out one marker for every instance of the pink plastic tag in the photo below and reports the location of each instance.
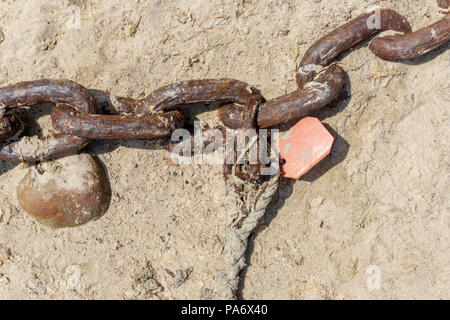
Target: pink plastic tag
(303, 146)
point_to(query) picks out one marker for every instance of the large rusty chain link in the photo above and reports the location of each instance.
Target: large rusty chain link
(61, 92)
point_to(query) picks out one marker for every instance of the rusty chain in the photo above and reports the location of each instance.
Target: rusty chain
(77, 119)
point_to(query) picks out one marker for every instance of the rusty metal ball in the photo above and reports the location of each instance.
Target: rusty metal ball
(65, 192)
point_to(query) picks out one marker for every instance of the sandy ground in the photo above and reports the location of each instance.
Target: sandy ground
(370, 222)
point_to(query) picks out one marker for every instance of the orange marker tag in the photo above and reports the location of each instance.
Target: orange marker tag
(303, 146)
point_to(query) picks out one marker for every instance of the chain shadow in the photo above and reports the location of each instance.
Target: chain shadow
(6, 166)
